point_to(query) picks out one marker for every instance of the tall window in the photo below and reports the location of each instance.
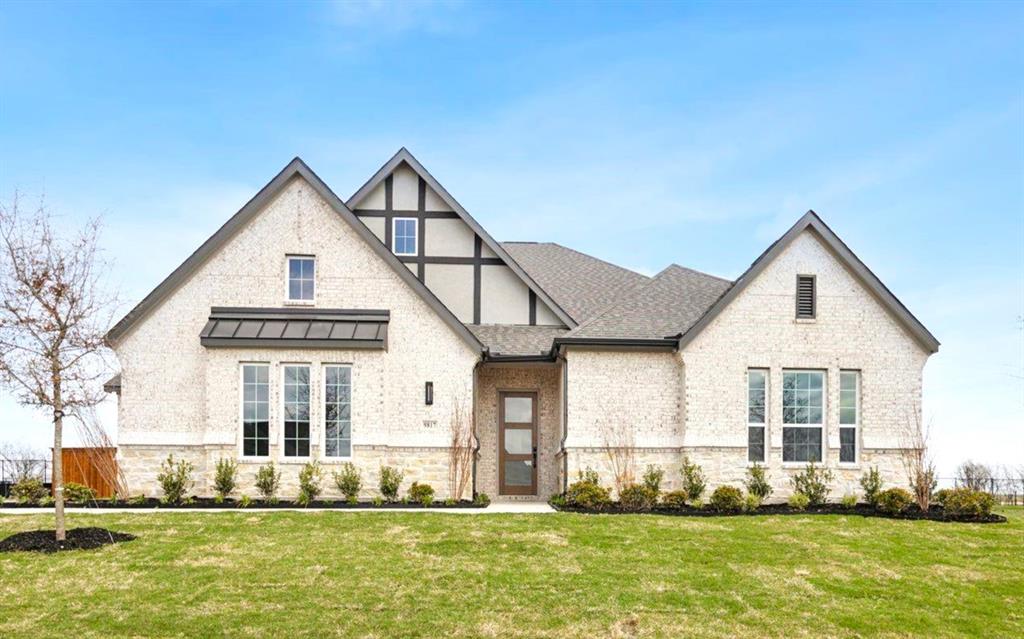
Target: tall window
(849, 415)
(803, 401)
(296, 411)
(301, 279)
(255, 410)
(757, 381)
(405, 235)
(338, 411)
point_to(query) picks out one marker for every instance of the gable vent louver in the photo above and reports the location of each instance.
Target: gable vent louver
(805, 297)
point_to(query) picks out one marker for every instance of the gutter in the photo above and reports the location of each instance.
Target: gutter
(662, 343)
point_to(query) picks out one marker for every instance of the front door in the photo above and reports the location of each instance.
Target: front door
(517, 443)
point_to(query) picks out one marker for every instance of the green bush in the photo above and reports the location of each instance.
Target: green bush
(28, 490)
(849, 501)
(798, 501)
(757, 482)
(557, 501)
(893, 501)
(421, 493)
(482, 499)
(751, 503)
(450, 501)
(871, 484)
(46, 501)
(727, 499)
(652, 479)
(589, 475)
(78, 493)
(638, 497)
(964, 502)
(244, 502)
(225, 477)
(813, 482)
(267, 482)
(694, 482)
(349, 481)
(137, 500)
(309, 483)
(390, 482)
(175, 479)
(377, 501)
(587, 494)
(940, 496)
(674, 499)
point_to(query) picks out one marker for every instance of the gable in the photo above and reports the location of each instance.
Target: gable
(455, 257)
(295, 175)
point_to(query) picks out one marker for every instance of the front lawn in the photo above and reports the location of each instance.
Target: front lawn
(564, 575)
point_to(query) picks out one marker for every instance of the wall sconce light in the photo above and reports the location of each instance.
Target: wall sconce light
(430, 393)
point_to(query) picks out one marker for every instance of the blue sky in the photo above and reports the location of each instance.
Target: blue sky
(642, 134)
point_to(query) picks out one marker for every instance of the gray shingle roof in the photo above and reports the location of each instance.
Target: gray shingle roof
(582, 285)
(668, 304)
(517, 340)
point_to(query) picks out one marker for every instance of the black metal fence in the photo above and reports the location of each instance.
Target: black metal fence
(11, 470)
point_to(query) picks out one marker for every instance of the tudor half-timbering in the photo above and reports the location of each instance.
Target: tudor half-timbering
(311, 328)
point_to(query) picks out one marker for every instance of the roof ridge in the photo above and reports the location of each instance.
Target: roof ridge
(593, 257)
(705, 274)
(632, 294)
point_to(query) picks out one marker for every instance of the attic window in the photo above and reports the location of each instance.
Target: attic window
(806, 302)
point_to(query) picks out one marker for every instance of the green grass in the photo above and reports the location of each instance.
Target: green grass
(564, 575)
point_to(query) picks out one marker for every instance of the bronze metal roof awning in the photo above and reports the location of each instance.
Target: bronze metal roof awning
(295, 328)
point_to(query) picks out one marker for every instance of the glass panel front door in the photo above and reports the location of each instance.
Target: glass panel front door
(517, 445)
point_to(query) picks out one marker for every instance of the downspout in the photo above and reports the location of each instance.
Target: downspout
(565, 423)
(476, 440)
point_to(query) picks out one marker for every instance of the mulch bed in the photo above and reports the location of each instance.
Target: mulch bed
(232, 504)
(935, 513)
(76, 539)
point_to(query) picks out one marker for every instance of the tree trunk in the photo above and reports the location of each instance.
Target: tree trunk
(58, 461)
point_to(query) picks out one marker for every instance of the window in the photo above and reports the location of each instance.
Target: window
(338, 411)
(296, 411)
(806, 302)
(301, 279)
(802, 406)
(757, 381)
(405, 235)
(849, 415)
(255, 410)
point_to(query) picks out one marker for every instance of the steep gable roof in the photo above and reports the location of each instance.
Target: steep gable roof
(811, 221)
(581, 284)
(404, 156)
(294, 168)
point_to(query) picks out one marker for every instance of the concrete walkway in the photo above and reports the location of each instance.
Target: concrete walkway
(508, 507)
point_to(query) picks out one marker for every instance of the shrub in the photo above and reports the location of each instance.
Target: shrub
(871, 483)
(638, 497)
(894, 501)
(587, 494)
(652, 479)
(813, 482)
(674, 499)
(751, 503)
(377, 501)
(421, 493)
(757, 482)
(137, 500)
(940, 496)
(390, 481)
(798, 501)
(965, 502)
(482, 499)
(244, 502)
(349, 481)
(450, 501)
(727, 499)
(849, 501)
(46, 501)
(590, 476)
(693, 480)
(267, 482)
(225, 477)
(28, 490)
(78, 493)
(309, 483)
(175, 479)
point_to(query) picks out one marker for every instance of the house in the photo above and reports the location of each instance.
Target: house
(314, 328)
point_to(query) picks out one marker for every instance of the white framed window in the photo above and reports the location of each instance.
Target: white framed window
(301, 281)
(757, 411)
(803, 410)
(849, 415)
(337, 410)
(255, 410)
(404, 235)
(295, 413)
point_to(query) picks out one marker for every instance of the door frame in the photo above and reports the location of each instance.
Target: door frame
(530, 490)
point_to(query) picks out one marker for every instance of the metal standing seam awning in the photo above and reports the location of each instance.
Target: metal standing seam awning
(295, 328)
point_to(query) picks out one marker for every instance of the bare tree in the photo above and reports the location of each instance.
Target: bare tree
(460, 454)
(918, 462)
(53, 315)
(973, 475)
(22, 462)
(98, 443)
(621, 453)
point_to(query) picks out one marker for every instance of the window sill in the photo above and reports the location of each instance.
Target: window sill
(288, 461)
(253, 460)
(300, 302)
(800, 465)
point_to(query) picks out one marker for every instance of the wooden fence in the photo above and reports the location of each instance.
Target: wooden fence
(92, 467)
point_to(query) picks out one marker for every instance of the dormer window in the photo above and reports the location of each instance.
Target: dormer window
(301, 278)
(405, 234)
(806, 302)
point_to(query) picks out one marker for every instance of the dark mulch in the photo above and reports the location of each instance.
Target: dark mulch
(77, 539)
(935, 513)
(230, 504)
